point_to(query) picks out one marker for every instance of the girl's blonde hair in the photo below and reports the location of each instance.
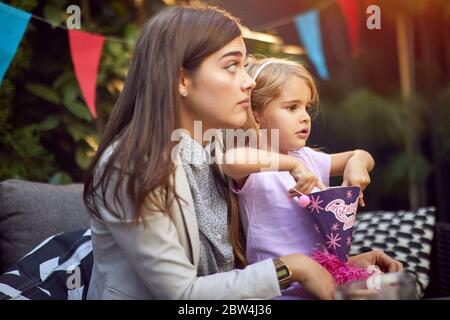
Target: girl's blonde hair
(270, 80)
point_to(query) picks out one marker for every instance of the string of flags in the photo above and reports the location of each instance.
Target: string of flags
(308, 29)
(86, 48)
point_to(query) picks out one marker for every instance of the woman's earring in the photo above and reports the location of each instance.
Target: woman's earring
(184, 93)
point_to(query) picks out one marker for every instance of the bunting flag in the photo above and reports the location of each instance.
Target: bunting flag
(308, 28)
(13, 23)
(86, 50)
(351, 14)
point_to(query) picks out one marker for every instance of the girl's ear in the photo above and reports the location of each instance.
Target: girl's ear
(183, 83)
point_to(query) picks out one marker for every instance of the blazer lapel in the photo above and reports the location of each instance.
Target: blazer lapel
(188, 210)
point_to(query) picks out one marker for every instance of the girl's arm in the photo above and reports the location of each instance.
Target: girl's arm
(239, 163)
(354, 166)
(339, 161)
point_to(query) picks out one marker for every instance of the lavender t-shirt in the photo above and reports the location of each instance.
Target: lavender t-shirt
(273, 224)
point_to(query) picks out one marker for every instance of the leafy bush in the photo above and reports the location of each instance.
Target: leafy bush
(46, 131)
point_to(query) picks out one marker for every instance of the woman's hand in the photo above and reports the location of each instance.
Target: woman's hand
(311, 275)
(378, 258)
(356, 174)
(306, 180)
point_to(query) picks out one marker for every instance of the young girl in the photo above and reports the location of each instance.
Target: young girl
(284, 99)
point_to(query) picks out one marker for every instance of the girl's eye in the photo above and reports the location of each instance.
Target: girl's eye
(292, 108)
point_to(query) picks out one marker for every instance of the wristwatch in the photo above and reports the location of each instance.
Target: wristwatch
(283, 273)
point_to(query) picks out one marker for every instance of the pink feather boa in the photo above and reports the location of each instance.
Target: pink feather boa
(342, 272)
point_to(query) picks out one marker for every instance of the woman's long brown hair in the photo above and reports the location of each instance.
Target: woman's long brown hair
(147, 112)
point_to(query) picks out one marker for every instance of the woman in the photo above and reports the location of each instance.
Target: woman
(164, 229)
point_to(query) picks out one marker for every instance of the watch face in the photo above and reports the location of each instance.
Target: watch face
(283, 273)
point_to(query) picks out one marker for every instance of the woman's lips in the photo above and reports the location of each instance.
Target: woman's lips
(245, 103)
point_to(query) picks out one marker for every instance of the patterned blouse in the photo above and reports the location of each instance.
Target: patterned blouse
(216, 252)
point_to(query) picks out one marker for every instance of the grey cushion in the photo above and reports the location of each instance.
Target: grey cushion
(30, 212)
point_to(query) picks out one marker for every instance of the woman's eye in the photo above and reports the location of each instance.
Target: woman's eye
(293, 108)
(232, 67)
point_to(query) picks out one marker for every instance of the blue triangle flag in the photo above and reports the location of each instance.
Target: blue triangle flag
(13, 23)
(308, 28)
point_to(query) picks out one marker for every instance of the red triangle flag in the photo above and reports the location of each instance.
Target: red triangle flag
(86, 50)
(350, 10)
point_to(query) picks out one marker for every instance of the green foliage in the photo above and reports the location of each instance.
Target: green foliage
(382, 125)
(43, 92)
(27, 5)
(396, 173)
(53, 13)
(23, 157)
(378, 121)
(21, 154)
(46, 130)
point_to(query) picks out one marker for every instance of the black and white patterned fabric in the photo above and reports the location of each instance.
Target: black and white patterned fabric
(59, 268)
(405, 236)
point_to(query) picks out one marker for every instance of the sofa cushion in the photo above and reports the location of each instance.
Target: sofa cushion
(31, 212)
(59, 268)
(404, 235)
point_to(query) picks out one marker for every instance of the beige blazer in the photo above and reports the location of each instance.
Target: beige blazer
(160, 261)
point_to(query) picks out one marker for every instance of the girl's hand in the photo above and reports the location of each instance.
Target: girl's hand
(356, 174)
(306, 181)
(311, 275)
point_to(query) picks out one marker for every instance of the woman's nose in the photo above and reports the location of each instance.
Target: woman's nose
(247, 83)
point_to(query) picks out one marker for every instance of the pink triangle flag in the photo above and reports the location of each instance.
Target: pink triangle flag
(86, 50)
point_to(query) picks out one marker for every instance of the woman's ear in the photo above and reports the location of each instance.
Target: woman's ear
(183, 84)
